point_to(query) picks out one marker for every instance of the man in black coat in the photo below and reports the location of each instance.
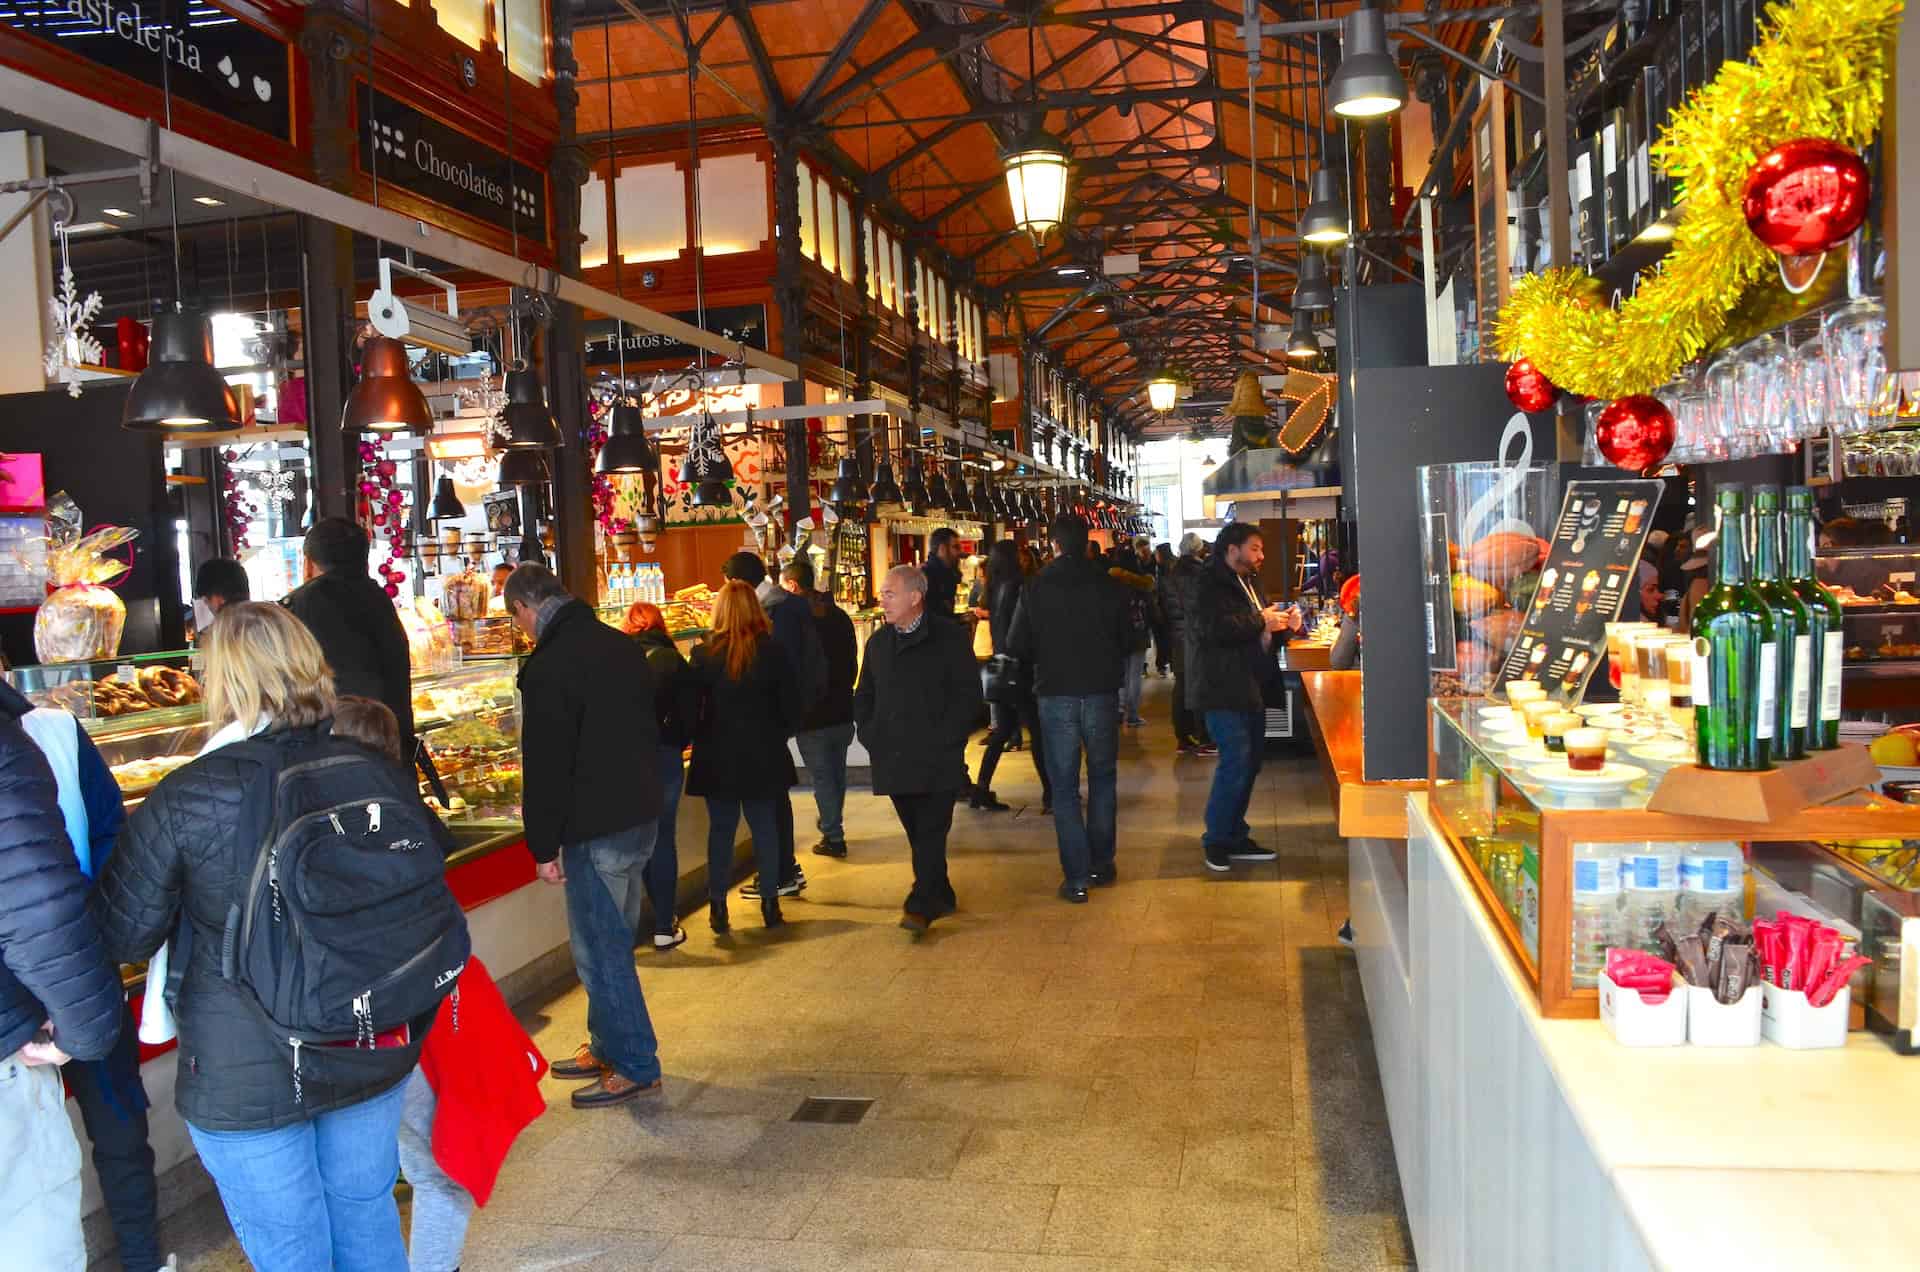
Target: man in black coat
(53, 971)
(918, 697)
(827, 731)
(1231, 635)
(354, 620)
(1073, 631)
(943, 571)
(1176, 595)
(589, 763)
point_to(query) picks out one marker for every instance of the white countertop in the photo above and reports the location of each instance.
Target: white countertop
(1752, 1158)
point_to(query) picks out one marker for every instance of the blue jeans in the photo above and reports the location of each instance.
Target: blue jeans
(825, 752)
(316, 1194)
(1242, 739)
(1131, 674)
(663, 868)
(604, 890)
(1069, 725)
(723, 819)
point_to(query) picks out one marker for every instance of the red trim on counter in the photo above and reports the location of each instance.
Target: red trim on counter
(507, 869)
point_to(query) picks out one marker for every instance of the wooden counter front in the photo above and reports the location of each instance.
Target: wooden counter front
(1362, 809)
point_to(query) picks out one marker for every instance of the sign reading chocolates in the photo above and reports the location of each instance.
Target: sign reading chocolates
(1592, 564)
(190, 48)
(404, 147)
(746, 324)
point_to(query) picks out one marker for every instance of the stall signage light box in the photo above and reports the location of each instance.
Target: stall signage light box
(744, 323)
(423, 156)
(217, 60)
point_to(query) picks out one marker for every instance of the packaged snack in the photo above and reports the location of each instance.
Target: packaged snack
(81, 620)
(1822, 992)
(1738, 969)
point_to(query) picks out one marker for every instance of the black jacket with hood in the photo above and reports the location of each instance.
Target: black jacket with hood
(1072, 629)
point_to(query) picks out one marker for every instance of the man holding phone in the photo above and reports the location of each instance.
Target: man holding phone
(1232, 635)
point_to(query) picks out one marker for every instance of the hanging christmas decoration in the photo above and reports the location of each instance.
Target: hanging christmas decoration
(1818, 70)
(1806, 196)
(1527, 389)
(236, 509)
(1635, 432)
(606, 491)
(274, 485)
(71, 343)
(382, 509)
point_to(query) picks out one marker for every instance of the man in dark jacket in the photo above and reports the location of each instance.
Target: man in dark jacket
(827, 731)
(1231, 633)
(1073, 632)
(943, 571)
(1176, 594)
(354, 620)
(918, 696)
(589, 751)
(53, 972)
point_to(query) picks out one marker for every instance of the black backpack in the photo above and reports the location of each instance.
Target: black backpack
(346, 927)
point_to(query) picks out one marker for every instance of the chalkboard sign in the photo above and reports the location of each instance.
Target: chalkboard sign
(404, 147)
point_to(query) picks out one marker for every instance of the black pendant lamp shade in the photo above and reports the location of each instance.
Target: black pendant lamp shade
(180, 392)
(712, 494)
(939, 498)
(1325, 220)
(960, 498)
(848, 489)
(386, 400)
(1302, 344)
(524, 468)
(885, 489)
(708, 466)
(530, 424)
(1314, 290)
(446, 504)
(627, 449)
(983, 505)
(1368, 83)
(913, 491)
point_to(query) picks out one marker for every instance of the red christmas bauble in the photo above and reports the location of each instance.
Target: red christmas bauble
(1528, 389)
(1806, 196)
(393, 589)
(1635, 432)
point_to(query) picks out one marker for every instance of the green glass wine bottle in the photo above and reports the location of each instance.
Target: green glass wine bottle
(1792, 630)
(1828, 640)
(1734, 673)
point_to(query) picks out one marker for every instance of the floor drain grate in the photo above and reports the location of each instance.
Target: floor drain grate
(836, 1110)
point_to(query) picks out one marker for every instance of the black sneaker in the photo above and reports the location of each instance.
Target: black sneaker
(791, 888)
(1345, 934)
(987, 802)
(1103, 878)
(1076, 893)
(1247, 850)
(830, 848)
(1218, 858)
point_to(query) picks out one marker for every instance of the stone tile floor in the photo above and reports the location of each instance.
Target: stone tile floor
(1178, 1075)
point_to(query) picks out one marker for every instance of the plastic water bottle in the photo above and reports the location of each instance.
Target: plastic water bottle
(1713, 879)
(1650, 892)
(658, 578)
(1596, 909)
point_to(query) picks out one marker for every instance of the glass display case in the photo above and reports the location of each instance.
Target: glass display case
(143, 711)
(1880, 603)
(469, 719)
(1567, 866)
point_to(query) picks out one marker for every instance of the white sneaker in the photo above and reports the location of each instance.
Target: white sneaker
(171, 1265)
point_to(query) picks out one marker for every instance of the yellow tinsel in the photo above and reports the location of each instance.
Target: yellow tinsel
(1818, 70)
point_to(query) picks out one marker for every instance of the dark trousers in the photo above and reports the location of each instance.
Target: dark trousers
(1008, 720)
(1189, 726)
(763, 818)
(783, 823)
(113, 1106)
(662, 874)
(1073, 725)
(927, 818)
(1162, 646)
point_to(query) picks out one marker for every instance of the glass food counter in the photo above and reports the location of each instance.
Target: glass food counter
(1566, 866)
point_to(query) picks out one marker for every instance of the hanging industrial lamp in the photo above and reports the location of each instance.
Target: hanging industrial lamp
(386, 400)
(939, 498)
(1325, 221)
(707, 465)
(524, 468)
(180, 392)
(913, 491)
(848, 490)
(1314, 290)
(1302, 344)
(1368, 83)
(446, 503)
(885, 489)
(529, 423)
(627, 449)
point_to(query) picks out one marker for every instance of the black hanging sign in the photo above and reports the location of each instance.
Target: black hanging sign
(746, 324)
(404, 147)
(198, 52)
(1590, 571)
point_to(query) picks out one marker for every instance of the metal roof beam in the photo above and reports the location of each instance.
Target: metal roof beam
(842, 51)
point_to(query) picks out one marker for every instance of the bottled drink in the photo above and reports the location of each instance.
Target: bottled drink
(1735, 666)
(1826, 640)
(1713, 880)
(1596, 910)
(1650, 892)
(1792, 630)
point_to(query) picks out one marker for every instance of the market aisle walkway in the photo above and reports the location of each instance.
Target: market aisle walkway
(1178, 1075)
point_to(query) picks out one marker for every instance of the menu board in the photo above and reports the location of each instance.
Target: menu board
(1591, 565)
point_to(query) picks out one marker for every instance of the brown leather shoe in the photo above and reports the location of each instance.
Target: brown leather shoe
(578, 1067)
(612, 1089)
(915, 923)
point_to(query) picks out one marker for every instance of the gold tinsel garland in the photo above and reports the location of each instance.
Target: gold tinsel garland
(1818, 70)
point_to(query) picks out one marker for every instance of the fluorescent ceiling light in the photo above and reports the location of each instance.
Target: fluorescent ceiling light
(208, 201)
(1069, 270)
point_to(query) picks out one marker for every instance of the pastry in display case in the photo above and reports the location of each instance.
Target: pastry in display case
(138, 691)
(469, 719)
(1879, 602)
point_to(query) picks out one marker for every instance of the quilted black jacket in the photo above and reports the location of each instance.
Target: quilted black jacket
(187, 848)
(52, 963)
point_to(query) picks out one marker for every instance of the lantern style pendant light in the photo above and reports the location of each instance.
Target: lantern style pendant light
(1313, 291)
(1037, 183)
(386, 400)
(446, 503)
(1368, 83)
(1324, 223)
(530, 424)
(627, 449)
(1302, 344)
(1163, 392)
(180, 392)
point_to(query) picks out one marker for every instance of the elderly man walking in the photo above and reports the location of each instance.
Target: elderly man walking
(917, 699)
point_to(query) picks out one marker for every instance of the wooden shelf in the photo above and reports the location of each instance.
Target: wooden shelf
(240, 436)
